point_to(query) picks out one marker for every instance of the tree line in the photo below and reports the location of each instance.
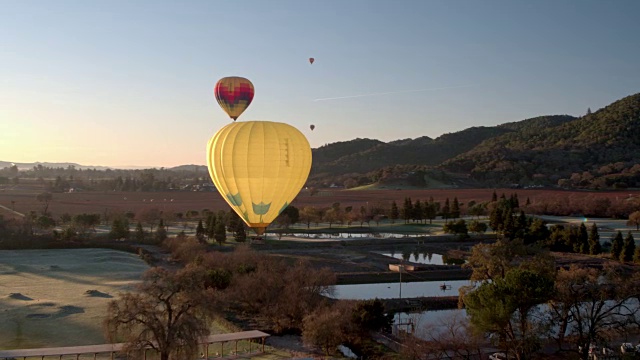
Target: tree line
(171, 311)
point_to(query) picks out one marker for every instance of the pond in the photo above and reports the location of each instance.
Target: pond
(429, 322)
(424, 258)
(392, 290)
(348, 235)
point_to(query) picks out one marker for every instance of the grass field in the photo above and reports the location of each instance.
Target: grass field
(54, 298)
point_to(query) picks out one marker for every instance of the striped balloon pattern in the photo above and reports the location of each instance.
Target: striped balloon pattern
(234, 94)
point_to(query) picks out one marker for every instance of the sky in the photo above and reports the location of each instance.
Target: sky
(130, 83)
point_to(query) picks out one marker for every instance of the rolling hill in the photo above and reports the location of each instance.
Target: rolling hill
(596, 151)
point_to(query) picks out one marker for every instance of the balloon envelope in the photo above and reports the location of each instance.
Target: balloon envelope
(311, 60)
(234, 94)
(258, 167)
(312, 127)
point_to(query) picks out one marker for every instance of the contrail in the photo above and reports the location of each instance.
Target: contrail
(393, 92)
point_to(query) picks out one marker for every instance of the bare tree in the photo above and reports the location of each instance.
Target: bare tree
(590, 305)
(283, 293)
(634, 219)
(45, 198)
(150, 217)
(328, 327)
(450, 338)
(169, 313)
(308, 214)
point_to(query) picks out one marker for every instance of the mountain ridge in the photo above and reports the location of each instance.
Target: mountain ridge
(598, 150)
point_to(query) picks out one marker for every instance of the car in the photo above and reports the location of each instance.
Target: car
(607, 351)
(593, 349)
(498, 356)
(627, 348)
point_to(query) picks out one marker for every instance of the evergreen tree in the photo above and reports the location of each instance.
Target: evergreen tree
(557, 239)
(222, 217)
(430, 211)
(232, 220)
(494, 196)
(407, 208)
(417, 211)
(221, 233)
(528, 202)
(395, 213)
(495, 219)
(119, 228)
(513, 200)
(628, 249)
(536, 231)
(200, 232)
(240, 235)
(436, 204)
(211, 226)
(583, 239)
(594, 241)
(571, 238)
(520, 225)
(636, 256)
(509, 226)
(446, 210)
(616, 246)
(139, 232)
(161, 233)
(455, 208)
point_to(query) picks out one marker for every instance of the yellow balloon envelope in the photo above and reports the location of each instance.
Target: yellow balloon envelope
(259, 167)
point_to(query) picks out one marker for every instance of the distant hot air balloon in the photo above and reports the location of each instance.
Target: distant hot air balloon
(234, 94)
(258, 167)
(312, 127)
(311, 60)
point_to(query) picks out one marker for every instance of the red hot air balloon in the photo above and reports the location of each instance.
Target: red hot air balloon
(311, 60)
(312, 127)
(234, 94)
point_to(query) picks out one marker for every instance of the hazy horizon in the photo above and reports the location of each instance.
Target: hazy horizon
(120, 82)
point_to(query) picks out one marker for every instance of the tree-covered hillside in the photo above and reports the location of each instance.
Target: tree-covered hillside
(403, 158)
(598, 150)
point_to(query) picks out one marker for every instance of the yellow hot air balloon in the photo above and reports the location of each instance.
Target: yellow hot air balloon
(258, 167)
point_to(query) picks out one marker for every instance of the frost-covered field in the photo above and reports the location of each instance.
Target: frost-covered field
(52, 298)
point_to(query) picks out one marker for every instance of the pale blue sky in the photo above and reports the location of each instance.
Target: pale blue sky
(131, 82)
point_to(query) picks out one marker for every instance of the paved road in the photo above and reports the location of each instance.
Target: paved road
(11, 211)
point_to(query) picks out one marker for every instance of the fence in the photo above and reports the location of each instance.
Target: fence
(82, 352)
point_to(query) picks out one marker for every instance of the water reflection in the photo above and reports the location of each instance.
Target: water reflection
(426, 258)
(430, 322)
(392, 290)
(348, 235)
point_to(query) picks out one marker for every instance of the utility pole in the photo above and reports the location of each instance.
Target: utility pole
(400, 267)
